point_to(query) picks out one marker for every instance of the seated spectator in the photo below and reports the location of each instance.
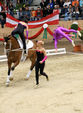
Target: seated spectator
(61, 4)
(66, 13)
(56, 7)
(43, 6)
(33, 14)
(11, 8)
(62, 13)
(2, 22)
(51, 4)
(67, 2)
(75, 3)
(76, 13)
(81, 8)
(49, 10)
(3, 14)
(27, 13)
(45, 13)
(55, 3)
(81, 3)
(47, 1)
(20, 14)
(4, 7)
(39, 13)
(70, 12)
(82, 12)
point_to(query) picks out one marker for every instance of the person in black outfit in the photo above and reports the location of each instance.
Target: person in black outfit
(49, 10)
(20, 30)
(2, 22)
(43, 6)
(40, 63)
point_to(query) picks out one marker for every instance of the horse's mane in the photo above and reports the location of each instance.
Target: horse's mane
(12, 36)
(9, 37)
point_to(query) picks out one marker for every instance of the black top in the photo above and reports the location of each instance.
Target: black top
(21, 27)
(40, 56)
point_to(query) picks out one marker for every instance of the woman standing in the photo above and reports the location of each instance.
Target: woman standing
(40, 63)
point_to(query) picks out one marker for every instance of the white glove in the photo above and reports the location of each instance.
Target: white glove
(73, 43)
(27, 41)
(79, 33)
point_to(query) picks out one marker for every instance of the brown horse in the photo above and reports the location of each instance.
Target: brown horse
(14, 53)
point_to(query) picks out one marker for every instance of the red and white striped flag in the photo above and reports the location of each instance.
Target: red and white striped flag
(50, 20)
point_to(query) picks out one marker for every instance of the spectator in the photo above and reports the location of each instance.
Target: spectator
(82, 11)
(75, 3)
(56, 7)
(33, 14)
(27, 13)
(3, 16)
(61, 4)
(67, 2)
(66, 13)
(20, 14)
(49, 10)
(43, 7)
(4, 7)
(76, 13)
(2, 22)
(81, 3)
(42, 4)
(51, 4)
(39, 13)
(70, 12)
(11, 8)
(47, 1)
(62, 11)
(45, 13)
(81, 7)
(55, 2)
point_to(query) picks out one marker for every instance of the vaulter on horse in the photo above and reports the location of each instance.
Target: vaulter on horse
(19, 29)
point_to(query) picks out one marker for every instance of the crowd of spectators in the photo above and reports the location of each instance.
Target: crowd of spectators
(67, 10)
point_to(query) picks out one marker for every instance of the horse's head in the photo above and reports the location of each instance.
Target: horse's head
(7, 38)
(7, 41)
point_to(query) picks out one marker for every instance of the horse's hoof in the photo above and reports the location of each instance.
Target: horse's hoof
(26, 78)
(7, 84)
(47, 78)
(11, 78)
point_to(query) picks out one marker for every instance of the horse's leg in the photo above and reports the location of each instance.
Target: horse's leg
(10, 69)
(15, 64)
(9, 73)
(33, 60)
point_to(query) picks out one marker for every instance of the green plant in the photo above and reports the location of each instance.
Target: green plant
(74, 26)
(18, 6)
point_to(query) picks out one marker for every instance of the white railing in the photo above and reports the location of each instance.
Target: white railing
(3, 58)
(49, 52)
(59, 51)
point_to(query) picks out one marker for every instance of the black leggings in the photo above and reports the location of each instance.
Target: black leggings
(40, 67)
(21, 36)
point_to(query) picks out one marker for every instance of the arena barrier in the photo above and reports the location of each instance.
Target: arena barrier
(49, 52)
(59, 51)
(3, 58)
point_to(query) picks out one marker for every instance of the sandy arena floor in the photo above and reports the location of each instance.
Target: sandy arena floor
(63, 93)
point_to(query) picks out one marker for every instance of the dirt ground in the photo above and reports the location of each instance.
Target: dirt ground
(63, 93)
